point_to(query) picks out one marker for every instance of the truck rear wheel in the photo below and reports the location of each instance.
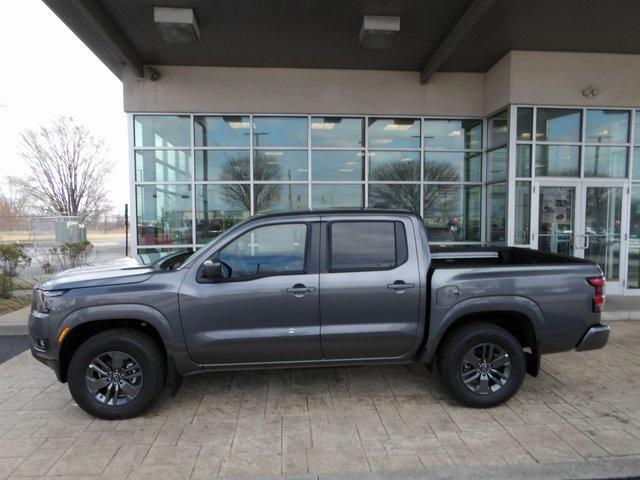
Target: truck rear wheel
(116, 374)
(482, 365)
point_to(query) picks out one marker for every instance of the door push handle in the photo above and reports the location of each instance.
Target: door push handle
(300, 289)
(400, 285)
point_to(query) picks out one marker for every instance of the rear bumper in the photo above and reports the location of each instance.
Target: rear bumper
(596, 337)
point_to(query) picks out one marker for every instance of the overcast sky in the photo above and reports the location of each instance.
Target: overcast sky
(47, 71)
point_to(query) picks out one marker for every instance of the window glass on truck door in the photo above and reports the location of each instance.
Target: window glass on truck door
(367, 245)
(264, 251)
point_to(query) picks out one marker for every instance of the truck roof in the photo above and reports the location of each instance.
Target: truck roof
(337, 211)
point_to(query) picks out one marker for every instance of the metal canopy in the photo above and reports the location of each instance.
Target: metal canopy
(434, 35)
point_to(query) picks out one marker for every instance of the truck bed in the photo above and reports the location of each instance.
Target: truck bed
(459, 257)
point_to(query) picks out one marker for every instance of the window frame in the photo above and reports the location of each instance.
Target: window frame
(215, 256)
(398, 236)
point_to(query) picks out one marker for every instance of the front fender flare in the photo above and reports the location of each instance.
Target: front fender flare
(511, 303)
(171, 335)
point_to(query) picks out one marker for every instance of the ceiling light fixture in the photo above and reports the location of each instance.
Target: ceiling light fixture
(379, 32)
(397, 127)
(177, 25)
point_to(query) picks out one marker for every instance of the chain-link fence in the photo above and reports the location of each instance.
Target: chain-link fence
(40, 234)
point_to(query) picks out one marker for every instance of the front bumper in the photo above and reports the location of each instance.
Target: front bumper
(596, 337)
(42, 326)
(52, 363)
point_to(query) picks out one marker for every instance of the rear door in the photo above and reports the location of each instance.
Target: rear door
(369, 288)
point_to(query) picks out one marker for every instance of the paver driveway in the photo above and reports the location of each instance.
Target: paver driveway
(582, 406)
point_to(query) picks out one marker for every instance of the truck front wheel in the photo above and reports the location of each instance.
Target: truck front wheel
(116, 374)
(482, 365)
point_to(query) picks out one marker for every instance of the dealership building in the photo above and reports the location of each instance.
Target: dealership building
(501, 122)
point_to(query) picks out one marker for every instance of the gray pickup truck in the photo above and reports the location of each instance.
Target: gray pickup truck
(315, 289)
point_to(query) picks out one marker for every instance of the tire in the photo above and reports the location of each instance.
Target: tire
(473, 342)
(132, 355)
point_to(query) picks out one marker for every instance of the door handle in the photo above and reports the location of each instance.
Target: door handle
(400, 285)
(298, 290)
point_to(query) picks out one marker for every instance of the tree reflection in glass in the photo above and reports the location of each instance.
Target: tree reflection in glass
(394, 195)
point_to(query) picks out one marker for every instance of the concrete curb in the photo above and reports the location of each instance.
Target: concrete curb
(621, 315)
(13, 329)
(619, 468)
(15, 323)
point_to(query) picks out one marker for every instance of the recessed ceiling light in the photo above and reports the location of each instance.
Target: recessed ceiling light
(379, 32)
(177, 25)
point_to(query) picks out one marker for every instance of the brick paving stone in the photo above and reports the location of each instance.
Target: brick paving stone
(39, 463)
(9, 465)
(250, 464)
(543, 444)
(84, 460)
(331, 460)
(394, 462)
(186, 455)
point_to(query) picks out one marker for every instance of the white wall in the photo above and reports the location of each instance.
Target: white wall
(281, 90)
(558, 78)
(552, 78)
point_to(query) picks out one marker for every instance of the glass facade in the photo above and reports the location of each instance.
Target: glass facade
(197, 175)
(473, 180)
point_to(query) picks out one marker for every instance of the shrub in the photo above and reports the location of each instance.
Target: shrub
(47, 268)
(12, 257)
(6, 286)
(70, 255)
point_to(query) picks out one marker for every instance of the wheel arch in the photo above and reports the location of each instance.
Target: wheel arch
(86, 322)
(521, 316)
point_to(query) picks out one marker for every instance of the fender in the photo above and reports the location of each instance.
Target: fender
(172, 337)
(507, 303)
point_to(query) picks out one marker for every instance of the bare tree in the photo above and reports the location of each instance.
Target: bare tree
(13, 202)
(67, 169)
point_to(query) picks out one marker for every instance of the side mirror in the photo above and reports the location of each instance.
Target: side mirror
(212, 270)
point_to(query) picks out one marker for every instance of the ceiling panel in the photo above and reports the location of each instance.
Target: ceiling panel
(324, 33)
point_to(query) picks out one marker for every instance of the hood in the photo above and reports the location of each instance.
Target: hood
(114, 272)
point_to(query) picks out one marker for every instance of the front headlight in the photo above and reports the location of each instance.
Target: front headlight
(40, 298)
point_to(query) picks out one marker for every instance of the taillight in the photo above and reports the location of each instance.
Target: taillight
(599, 297)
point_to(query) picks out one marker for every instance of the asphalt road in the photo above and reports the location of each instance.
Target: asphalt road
(10, 346)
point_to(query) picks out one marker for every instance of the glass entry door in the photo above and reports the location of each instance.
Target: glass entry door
(583, 219)
(556, 222)
(603, 228)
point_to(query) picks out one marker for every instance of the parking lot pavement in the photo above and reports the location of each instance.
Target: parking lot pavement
(12, 345)
(582, 411)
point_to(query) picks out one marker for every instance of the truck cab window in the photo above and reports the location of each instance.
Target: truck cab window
(367, 245)
(264, 251)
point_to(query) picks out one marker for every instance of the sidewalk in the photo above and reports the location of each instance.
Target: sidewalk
(618, 308)
(15, 323)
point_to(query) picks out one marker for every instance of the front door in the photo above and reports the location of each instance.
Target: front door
(582, 219)
(266, 308)
(369, 289)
